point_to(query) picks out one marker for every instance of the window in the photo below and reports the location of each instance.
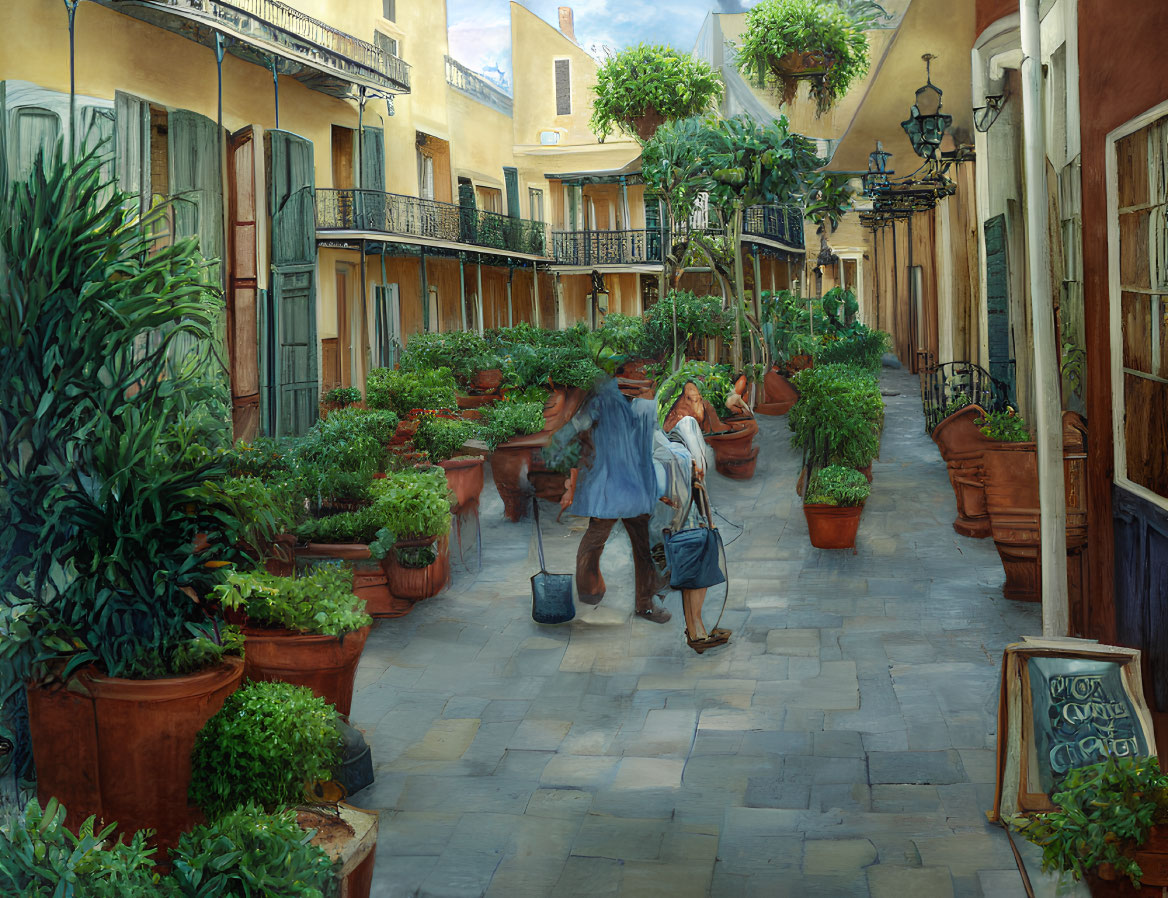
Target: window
(490, 199)
(389, 9)
(386, 44)
(699, 219)
(1137, 197)
(563, 86)
(549, 138)
(535, 198)
(342, 157)
(425, 175)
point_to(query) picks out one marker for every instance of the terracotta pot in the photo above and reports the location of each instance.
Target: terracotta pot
(734, 445)
(369, 580)
(866, 471)
(737, 468)
(473, 403)
(648, 122)
(416, 584)
(1010, 475)
(405, 432)
(778, 396)
(961, 445)
(1152, 857)
(487, 381)
(348, 835)
(833, 526)
(465, 478)
(325, 664)
(511, 461)
(796, 64)
(799, 363)
(121, 749)
(634, 369)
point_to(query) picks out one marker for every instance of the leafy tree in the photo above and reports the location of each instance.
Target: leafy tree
(642, 86)
(831, 201)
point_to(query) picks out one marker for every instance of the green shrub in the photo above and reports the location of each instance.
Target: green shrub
(343, 396)
(839, 416)
(465, 353)
(775, 28)
(318, 601)
(248, 853)
(837, 485)
(699, 317)
(505, 420)
(404, 391)
(864, 350)
(40, 858)
(442, 436)
(267, 743)
(1007, 426)
(1104, 811)
(650, 78)
(249, 514)
(417, 502)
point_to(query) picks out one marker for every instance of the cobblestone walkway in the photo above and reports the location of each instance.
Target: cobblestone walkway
(841, 745)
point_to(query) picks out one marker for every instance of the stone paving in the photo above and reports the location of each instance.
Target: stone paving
(840, 745)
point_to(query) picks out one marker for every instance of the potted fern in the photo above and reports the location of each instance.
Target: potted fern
(442, 436)
(788, 41)
(642, 87)
(832, 505)
(413, 542)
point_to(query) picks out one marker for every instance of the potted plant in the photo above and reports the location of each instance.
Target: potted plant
(442, 436)
(105, 450)
(1009, 460)
(338, 398)
(731, 437)
(642, 87)
(961, 443)
(307, 630)
(788, 41)
(472, 361)
(1109, 829)
(839, 417)
(403, 391)
(832, 505)
(513, 431)
(417, 521)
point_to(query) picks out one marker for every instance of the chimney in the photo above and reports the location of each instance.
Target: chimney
(567, 26)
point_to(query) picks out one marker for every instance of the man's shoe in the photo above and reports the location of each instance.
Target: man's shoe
(657, 614)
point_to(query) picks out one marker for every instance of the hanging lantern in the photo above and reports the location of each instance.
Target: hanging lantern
(876, 179)
(926, 125)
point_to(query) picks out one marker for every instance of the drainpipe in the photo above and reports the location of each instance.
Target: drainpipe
(1047, 381)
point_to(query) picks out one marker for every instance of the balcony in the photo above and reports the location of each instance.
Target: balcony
(592, 249)
(373, 211)
(267, 33)
(477, 87)
(779, 224)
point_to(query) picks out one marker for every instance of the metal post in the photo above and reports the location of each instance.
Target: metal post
(360, 132)
(425, 296)
(1047, 380)
(510, 313)
(535, 293)
(365, 354)
(71, 9)
(479, 304)
(462, 289)
(276, 91)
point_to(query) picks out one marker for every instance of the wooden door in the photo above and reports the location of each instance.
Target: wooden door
(289, 406)
(241, 285)
(998, 302)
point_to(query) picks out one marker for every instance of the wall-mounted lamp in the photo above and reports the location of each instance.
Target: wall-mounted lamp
(927, 123)
(876, 178)
(985, 116)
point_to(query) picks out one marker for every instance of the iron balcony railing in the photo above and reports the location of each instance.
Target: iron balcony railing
(782, 224)
(315, 44)
(588, 248)
(477, 87)
(392, 213)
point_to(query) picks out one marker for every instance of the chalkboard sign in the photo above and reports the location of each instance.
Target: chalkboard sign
(1082, 714)
(1064, 703)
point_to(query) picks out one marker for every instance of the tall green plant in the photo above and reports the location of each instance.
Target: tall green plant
(839, 416)
(99, 426)
(647, 79)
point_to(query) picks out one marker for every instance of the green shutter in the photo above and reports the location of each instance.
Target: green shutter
(998, 302)
(289, 404)
(511, 179)
(371, 206)
(195, 180)
(132, 146)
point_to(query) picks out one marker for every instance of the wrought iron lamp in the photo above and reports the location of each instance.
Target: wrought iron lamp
(985, 116)
(926, 124)
(876, 179)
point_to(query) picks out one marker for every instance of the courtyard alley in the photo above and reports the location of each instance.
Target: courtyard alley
(842, 744)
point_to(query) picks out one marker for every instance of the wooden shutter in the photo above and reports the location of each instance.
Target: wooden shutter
(195, 181)
(32, 130)
(468, 213)
(511, 180)
(386, 325)
(132, 146)
(563, 86)
(998, 301)
(241, 287)
(289, 406)
(371, 206)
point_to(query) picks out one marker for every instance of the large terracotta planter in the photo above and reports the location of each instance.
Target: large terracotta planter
(961, 445)
(833, 526)
(465, 479)
(734, 455)
(325, 664)
(512, 460)
(1010, 474)
(416, 584)
(487, 381)
(1152, 857)
(348, 835)
(778, 396)
(121, 749)
(369, 581)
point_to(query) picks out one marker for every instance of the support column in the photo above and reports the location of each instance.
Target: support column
(1047, 379)
(426, 326)
(479, 304)
(462, 290)
(510, 311)
(535, 293)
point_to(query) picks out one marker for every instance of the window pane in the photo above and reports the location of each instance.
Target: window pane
(1137, 332)
(563, 87)
(1146, 428)
(389, 9)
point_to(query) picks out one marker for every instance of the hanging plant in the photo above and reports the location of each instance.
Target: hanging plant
(642, 87)
(788, 41)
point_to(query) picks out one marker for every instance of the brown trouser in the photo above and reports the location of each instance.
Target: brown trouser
(589, 581)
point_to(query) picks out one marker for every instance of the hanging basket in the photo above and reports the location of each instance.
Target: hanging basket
(647, 123)
(809, 65)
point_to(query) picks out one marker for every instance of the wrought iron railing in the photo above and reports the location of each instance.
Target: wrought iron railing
(947, 387)
(476, 86)
(587, 248)
(393, 213)
(241, 17)
(783, 224)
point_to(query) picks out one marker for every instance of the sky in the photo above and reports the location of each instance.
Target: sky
(480, 30)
